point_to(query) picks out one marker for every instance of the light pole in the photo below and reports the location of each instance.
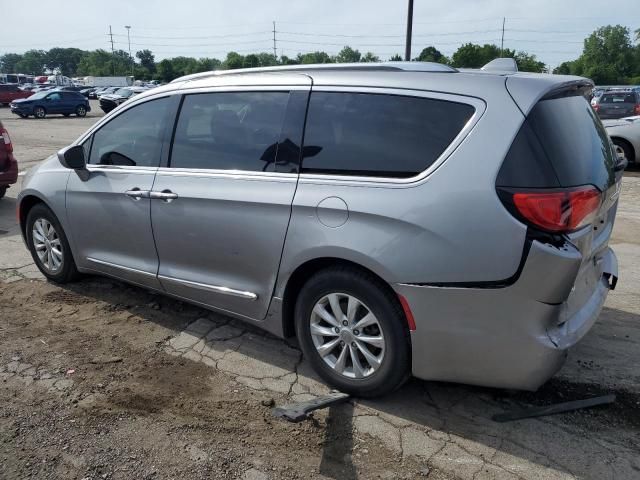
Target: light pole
(407, 47)
(128, 27)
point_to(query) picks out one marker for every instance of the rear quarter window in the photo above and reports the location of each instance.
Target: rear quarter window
(377, 134)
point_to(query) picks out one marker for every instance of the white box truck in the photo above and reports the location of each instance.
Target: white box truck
(108, 81)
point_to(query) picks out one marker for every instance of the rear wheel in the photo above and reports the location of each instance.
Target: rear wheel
(624, 149)
(81, 111)
(39, 112)
(352, 329)
(49, 245)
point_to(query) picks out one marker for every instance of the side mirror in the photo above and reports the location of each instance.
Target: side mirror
(73, 157)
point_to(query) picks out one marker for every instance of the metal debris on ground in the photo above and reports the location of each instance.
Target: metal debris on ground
(531, 412)
(299, 411)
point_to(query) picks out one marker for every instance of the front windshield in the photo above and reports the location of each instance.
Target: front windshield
(39, 95)
(124, 92)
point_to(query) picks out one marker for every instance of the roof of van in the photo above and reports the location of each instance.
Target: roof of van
(525, 88)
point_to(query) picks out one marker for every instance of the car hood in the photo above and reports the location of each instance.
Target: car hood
(22, 100)
(111, 96)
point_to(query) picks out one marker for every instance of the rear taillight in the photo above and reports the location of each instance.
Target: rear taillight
(636, 110)
(6, 140)
(556, 210)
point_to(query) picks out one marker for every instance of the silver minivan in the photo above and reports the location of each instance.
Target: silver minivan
(397, 218)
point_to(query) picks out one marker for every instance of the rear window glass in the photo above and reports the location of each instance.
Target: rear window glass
(574, 140)
(378, 135)
(618, 98)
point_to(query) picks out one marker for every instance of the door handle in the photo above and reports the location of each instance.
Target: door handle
(137, 194)
(166, 195)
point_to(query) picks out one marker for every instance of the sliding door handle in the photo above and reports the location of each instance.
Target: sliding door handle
(137, 194)
(166, 195)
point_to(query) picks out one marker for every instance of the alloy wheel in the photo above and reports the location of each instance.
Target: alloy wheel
(347, 335)
(47, 245)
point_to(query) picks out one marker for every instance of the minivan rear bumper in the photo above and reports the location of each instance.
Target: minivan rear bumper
(9, 172)
(516, 336)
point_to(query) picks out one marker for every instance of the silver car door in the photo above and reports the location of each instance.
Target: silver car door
(220, 211)
(108, 205)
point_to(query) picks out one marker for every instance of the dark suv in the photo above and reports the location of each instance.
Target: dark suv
(50, 102)
(618, 104)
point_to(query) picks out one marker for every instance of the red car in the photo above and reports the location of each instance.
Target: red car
(8, 163)
(9, 93)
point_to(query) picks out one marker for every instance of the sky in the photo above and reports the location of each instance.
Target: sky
(553, 30)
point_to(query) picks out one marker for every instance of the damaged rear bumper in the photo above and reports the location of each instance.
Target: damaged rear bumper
(515, 336)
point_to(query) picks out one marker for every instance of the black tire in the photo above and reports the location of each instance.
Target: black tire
(81, 111)
(3, 191)
(380, 300)
(66, 114)
(626, 148)
(39, 112)
(68, 271)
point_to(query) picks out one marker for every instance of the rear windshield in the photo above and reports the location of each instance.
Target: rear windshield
(618, 98)
(562, 143)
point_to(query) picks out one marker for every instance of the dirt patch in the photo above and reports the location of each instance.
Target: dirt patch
(65, 414)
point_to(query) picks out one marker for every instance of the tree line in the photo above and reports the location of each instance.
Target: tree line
(609, 57)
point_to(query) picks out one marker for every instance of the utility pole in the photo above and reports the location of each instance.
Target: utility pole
(407, 49)
(128, 27)
(275, 51)
(502, 41)
(113, 64)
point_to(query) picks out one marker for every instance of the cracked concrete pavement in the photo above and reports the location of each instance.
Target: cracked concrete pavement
(442, 426)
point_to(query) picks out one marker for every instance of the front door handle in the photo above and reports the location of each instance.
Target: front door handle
(137, 194)
(166, 195)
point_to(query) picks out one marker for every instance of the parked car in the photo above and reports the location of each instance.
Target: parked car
(8, 163)
(9, 93)
(108, 91)
(625, 134)
(618, 104)
(55, 102)
(94, 94)
(86, 91)
(110, 101)
(421, 226)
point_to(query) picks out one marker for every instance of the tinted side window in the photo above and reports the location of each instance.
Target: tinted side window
(378, 135)
(133, 138)
(229, 131)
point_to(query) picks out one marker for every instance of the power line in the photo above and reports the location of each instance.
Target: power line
(163, 37)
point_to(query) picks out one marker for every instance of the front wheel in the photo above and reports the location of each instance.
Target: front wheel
(81, 111)
(39, 112)
(352, 330)
(49, 245)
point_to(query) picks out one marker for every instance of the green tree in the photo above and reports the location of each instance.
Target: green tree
(234, 60)
(284, 60)
(32, 62)
(529, 63)
(431, 54)
(165, 70)
(369, 57)
(608, 55)
(396, 58)
(8, 62)
(251, 61)
(314, 57)
(147, 60)
(208, 64)
(64, 60)
(471, 55)
(348, 55)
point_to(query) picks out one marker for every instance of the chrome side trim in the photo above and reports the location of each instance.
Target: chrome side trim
(211, 288)
(228, 174)
(115, 265)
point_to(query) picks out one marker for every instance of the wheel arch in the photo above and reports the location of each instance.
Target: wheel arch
(304, 271)
(628, 144)
(25, 204)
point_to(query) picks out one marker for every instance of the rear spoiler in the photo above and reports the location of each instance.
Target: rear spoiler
(528, 89)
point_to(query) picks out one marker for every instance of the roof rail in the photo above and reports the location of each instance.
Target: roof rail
(370, 66)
